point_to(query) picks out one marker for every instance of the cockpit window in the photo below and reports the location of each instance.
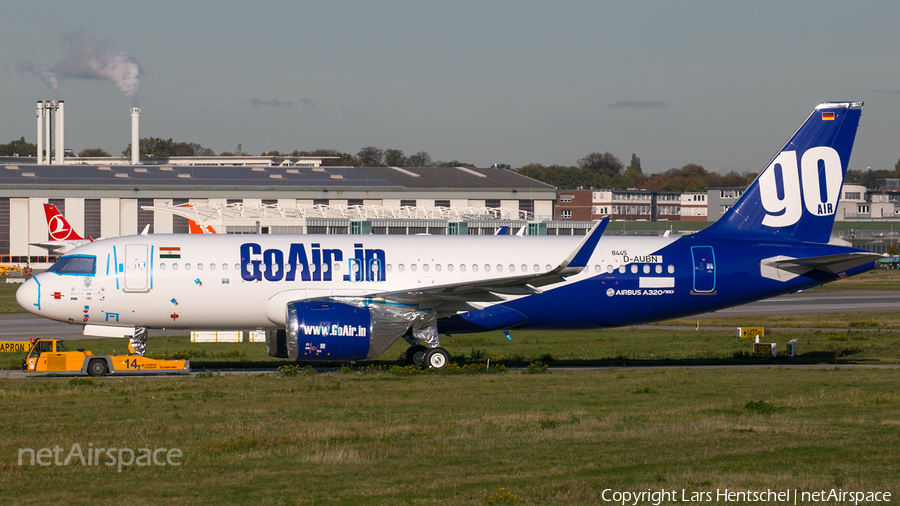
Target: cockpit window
(76, 265)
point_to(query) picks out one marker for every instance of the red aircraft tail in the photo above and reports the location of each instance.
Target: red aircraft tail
(59, 228)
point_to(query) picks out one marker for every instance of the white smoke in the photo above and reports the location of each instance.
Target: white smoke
(93, 59)
(42, 71)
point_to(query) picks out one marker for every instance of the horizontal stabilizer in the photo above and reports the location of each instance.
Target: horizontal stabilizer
(51, 248)
(832, 264)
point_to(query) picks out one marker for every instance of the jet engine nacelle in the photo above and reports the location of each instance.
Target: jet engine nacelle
(327, 330)
(348, 329)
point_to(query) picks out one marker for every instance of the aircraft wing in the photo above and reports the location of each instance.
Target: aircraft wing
(490, 290)
(832, 264)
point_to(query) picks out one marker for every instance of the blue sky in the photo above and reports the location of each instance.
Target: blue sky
(723, 84)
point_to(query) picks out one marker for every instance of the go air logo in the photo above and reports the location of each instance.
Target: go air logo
(821, 175)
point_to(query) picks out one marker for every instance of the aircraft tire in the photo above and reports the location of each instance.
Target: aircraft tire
(97, 367)
(415, 355)
(436, 358)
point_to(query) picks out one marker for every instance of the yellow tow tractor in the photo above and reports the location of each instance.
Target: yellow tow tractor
(50, 357)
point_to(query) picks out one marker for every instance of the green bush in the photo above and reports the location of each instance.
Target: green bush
(537, 367)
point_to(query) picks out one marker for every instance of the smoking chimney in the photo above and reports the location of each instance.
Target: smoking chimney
(135, 137)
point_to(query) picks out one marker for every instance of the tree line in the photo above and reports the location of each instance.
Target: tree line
(606, 171)
(595, 170)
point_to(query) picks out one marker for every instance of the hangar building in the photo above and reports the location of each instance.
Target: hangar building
(113, 200)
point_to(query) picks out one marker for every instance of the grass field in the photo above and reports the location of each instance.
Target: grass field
(383, 438)
(641, 346)
(823, 321)
(383, 435)
(8, 302)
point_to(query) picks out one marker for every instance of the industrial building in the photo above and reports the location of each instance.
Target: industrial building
(630, 205)
(111, 200)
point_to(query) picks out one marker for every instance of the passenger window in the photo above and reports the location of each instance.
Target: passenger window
(474, 267)
(199, 267)
(389, 267)
(413, 267)
(237, 267)
(671, 269)
(646, 269)
(462, 267)
(162, 267)
(487, 268)
(609, 268)
(224, 267)
(437, 267)
(425, 267)
(449, 267)
(548, 267)
(537, 268)
(174, 267)
(634, 268)
(596, 268)
(512, 268)
(524, 268)
(401, 267)
(622, 269)
(659, 269)
(212, 267)
(187, 267)
(499, 268)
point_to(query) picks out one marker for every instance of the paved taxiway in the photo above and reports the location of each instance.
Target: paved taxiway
(816, 302)
(21, 326)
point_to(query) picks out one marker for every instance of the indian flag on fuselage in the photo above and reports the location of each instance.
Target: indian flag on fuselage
(169, 252)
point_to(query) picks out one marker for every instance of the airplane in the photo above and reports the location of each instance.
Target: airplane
(342, 298)
(197, 228)
(63, 237)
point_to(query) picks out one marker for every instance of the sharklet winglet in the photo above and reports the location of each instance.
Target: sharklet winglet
(579, 258)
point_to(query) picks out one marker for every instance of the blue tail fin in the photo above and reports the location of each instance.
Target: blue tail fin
(796, 197)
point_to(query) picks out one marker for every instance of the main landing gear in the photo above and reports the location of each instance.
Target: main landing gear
(427, 357)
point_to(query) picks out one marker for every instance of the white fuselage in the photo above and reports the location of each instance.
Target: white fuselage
(244, 281)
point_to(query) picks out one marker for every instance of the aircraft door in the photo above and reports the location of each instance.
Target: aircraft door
(704, 270)
(137, 268)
